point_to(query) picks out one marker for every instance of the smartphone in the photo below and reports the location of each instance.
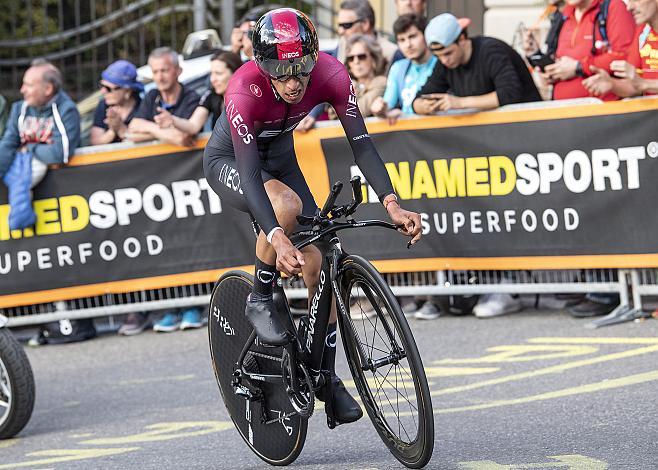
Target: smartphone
(429, 97)
(540, 60)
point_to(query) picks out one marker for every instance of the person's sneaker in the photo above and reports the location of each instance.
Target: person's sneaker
(170, 322)
(588, 308)
(134, 324)
(191, 319)
(427, 311)
(494, 305)
(343, 408)
(261, 315)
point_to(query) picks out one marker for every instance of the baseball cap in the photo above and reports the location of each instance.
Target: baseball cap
(445, 29)
(122, 73)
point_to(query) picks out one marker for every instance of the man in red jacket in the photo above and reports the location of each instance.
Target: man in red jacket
(581, 46)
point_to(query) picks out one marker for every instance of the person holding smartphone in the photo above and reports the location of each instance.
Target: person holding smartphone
(481, 72)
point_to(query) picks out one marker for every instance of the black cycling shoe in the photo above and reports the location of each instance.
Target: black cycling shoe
(262, 316)
(344, 408)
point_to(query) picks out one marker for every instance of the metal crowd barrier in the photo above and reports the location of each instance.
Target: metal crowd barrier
(428, 283)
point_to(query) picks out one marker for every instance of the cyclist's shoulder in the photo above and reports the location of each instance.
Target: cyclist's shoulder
(248, 85)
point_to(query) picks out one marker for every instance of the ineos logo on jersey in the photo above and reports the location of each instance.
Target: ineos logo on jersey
(230, 177)
(238, 123)
(359, 137)
(255, 89)
(352, 106)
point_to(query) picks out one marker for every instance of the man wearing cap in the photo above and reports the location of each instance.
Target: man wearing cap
(114, 112)
(480, 73)
(169, 95)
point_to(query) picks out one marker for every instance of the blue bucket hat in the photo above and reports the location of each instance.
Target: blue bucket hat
(445, 29)
(123, 74)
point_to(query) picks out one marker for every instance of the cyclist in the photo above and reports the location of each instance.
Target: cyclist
(250, 163)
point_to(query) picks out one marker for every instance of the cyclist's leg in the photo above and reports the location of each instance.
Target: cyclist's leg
(221, 173)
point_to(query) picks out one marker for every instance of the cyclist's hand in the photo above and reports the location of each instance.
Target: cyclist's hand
(410, 221)
(288, 258)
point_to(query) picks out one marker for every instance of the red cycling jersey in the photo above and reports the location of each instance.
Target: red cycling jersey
(256, 127)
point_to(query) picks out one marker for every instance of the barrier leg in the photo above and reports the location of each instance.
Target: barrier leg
(624, 312)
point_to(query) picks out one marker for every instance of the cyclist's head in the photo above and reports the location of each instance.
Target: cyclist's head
(286, 50)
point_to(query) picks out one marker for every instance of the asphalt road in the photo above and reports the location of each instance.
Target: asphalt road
(529, 390)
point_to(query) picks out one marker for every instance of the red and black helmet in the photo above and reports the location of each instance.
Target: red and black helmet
(285, 43)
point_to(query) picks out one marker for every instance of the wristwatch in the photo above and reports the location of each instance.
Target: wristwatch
(579, 70)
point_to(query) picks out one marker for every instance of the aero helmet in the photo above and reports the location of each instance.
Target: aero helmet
(285, 43)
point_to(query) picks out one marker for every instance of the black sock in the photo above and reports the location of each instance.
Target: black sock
(264, 277)
(329, 355)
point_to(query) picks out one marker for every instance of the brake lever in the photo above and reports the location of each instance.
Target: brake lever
(401, 227)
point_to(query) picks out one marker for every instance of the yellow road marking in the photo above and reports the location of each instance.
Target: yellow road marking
(575, 462)
(166, 431)
(66, 455)
(524, 353)
(580, 389)
(595, 340)
(157, 379)
(8, 443)
(548, 370)
(458, 371)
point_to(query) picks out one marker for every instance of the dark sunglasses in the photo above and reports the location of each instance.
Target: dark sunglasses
(361, 57)
(107, 88)
(285, 78)
(349, 24)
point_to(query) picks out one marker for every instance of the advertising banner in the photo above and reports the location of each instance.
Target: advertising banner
(106, 225)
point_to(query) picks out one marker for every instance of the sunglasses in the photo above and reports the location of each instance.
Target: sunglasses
(285, 78)
(352, 58)
(107, 88)
(349, 24)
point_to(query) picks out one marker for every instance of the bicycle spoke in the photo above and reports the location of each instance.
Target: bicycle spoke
(390, 404)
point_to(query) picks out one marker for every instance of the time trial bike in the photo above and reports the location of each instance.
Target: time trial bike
(269, 392)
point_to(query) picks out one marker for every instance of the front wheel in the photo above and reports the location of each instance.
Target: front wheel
(385, 363)
(16, 386)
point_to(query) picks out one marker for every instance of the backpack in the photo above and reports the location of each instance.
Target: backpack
(558, 19)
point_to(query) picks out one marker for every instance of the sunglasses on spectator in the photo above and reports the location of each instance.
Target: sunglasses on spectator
(349, 24)
(108, 88)
(285, 78)
(361, 57)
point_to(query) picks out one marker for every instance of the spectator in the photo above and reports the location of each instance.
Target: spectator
(406, 76)
(410, 7)
(43, 129)
(241, 34)
(358, 17)
(222, 67)
(581, 45)
(366, 66)
(169, 95)
(638, 74)
(480, 73)
(120, 90)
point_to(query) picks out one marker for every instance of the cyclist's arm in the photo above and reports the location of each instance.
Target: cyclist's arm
(365, 153)
(240, 109)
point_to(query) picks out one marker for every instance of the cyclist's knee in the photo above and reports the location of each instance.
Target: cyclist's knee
(287, 206)
(311, 270)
